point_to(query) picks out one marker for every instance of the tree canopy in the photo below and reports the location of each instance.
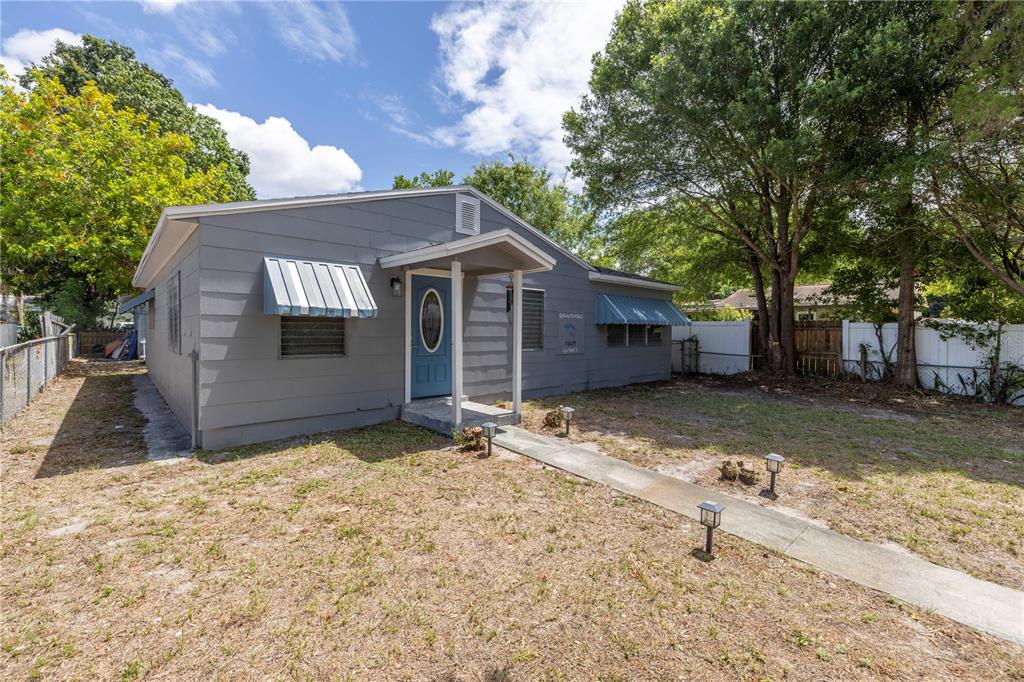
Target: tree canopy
(116, 71)
(84, 182)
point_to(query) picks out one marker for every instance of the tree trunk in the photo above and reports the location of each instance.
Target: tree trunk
(763, 334)
(906, 346)
(787, 328)
(776, 353)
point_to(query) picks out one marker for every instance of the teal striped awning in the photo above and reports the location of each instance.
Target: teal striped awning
(615, 309)
(292, 286)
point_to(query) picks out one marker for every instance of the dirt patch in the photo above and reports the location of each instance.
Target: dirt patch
(381, 553)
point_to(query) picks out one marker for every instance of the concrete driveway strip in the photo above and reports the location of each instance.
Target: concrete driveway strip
(983, 605)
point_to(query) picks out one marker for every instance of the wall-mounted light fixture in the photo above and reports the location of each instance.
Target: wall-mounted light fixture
(396, 287)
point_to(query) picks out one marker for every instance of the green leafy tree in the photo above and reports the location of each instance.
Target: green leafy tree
(116, 71)
(735, 108)
(975, 172)
(84, 182)
(439, 178)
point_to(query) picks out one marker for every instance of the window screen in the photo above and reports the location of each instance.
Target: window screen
(616, 335)
(654, 336)
(311, 336)
(636, 334)
(174, 313)
(533, 319)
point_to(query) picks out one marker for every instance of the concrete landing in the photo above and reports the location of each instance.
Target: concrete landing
(436, 414)
(983, 605)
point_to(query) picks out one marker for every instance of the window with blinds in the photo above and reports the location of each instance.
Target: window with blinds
(636, 335)
(616, 335)
(633, 335)
(303, 336)
(533, 319)
(174, 313)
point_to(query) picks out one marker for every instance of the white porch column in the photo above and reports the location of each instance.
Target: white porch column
(456, 342)
(517, 342)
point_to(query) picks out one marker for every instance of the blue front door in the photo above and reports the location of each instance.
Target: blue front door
(431, 336)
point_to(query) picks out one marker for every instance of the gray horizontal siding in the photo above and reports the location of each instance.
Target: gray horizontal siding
(248, 393)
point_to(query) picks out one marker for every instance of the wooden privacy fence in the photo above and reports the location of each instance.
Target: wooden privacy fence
(819, 347)
(88, 339)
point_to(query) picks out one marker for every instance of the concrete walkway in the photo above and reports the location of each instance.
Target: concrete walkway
(986, 606)
(167, 442)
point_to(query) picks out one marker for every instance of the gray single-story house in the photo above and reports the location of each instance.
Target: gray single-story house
(286, 316)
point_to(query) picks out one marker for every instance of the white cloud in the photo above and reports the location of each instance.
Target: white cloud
(161, 6)
(400, 119)
(514, 69)
(193, 68)
(283, 163)
(27, 46)
(315, 31)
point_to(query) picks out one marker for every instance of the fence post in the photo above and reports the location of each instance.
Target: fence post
(28, 376)
(3, 387)
(696, 356)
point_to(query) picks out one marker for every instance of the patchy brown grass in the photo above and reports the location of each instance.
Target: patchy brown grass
(382, 553)
(942, 477)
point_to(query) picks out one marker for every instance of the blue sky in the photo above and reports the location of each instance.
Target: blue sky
(330, 97)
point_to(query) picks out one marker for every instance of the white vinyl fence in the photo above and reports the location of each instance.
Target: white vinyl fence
(951, 365)
(27, 368)
(724, 347)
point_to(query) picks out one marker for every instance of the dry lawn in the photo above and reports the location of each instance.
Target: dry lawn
(382, 553)
(940, 476)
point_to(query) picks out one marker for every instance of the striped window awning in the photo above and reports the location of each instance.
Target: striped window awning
(304, 287)
(615, 309)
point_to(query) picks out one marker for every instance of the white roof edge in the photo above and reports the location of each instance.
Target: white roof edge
(188, 213)
(630, 281)
(454, 248)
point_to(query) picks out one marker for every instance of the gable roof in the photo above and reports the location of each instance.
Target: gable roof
(177, 222)
(804, 295)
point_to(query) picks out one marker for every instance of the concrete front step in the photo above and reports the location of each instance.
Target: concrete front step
(436, 414)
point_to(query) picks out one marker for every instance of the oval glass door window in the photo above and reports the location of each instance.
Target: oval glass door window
(431, 320)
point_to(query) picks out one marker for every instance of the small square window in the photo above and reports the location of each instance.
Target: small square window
(616, 335)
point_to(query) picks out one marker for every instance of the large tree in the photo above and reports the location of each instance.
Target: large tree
(116, 71)
(731, 107)
(83, 184)
(975, 165)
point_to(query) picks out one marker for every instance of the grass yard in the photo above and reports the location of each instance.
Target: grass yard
(381, 553)
(942, 477)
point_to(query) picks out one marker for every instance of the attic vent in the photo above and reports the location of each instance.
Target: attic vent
(467, 214)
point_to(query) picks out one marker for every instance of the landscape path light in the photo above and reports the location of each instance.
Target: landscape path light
(567, 414)
(489, 430)
(773, 463)
(710, 518)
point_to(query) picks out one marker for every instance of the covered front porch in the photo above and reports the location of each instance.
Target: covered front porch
(432, 279)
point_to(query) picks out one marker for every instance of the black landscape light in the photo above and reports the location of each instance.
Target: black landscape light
(490, 428)
(773, 463)
(396, 287)
(710, 518)
(567, 414)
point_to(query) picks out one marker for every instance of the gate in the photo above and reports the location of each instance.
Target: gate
(819, 347)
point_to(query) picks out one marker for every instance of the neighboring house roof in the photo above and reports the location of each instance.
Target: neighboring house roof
(177, 223)
(804, 296)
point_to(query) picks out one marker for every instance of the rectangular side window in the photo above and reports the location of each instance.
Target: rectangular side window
(174, 313)
(654, 336)
(616, 335)
(533, 319)
(303, 336)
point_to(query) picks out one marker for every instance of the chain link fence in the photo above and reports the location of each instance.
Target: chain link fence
(27, 368)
